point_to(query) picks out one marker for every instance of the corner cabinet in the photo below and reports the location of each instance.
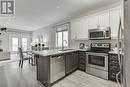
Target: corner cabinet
(79, 28)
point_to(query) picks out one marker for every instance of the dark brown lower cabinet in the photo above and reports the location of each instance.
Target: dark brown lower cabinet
(68, 63)
(43, 70)
(82, 61)
(113, 68)
(75, 61)
(71, 62)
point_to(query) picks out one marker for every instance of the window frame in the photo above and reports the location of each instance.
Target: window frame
(62, 39)
(66, 27)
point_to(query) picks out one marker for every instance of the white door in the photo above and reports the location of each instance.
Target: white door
(24, 44)
(114, 21)
(14, 44)
(104, 20)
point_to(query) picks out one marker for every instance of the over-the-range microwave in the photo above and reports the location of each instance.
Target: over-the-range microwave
(99, 34)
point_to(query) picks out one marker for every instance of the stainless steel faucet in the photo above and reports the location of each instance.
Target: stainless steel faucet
(63, 44)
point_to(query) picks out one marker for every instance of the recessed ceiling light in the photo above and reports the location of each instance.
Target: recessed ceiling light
(58, 6)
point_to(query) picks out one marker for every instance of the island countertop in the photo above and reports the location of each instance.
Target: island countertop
(56, 52)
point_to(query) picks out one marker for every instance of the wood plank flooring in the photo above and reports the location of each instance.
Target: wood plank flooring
(81, 79)
(12, 76)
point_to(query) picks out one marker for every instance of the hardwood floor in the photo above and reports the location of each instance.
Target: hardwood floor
(81, 79)
(12, 76)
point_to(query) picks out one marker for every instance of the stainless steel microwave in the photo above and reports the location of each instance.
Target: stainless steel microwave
(99, 34)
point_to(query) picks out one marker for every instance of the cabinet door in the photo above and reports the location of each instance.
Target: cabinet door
(76, 60)
(113, 68)
(69, 63)
(82, 61)
(79, 28)
(93, 22)
(114, 21)
(104, 20)
(74, 29)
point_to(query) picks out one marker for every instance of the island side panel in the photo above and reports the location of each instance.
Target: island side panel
(43, 70)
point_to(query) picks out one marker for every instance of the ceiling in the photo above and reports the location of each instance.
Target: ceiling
(34, 14)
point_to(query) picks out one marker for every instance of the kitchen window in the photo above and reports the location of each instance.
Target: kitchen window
(62, 36)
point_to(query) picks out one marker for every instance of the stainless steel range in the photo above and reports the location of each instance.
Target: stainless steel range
(97, 60)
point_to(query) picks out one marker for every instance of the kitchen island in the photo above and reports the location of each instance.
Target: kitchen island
(54, 65)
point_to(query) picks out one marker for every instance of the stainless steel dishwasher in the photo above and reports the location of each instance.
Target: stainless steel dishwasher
(57, 68)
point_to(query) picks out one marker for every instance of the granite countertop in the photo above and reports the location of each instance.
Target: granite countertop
(56, 52)
(115, 52)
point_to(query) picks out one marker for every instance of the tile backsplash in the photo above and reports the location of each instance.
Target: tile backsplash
(75, 43)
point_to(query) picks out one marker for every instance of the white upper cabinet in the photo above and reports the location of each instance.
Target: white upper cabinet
(74, 30)
(108, 18)
(103, 20)
(79, 28)
(93, 22)
(114, 21)
(100, 20)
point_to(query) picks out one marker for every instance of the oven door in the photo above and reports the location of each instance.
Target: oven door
(97, 61)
